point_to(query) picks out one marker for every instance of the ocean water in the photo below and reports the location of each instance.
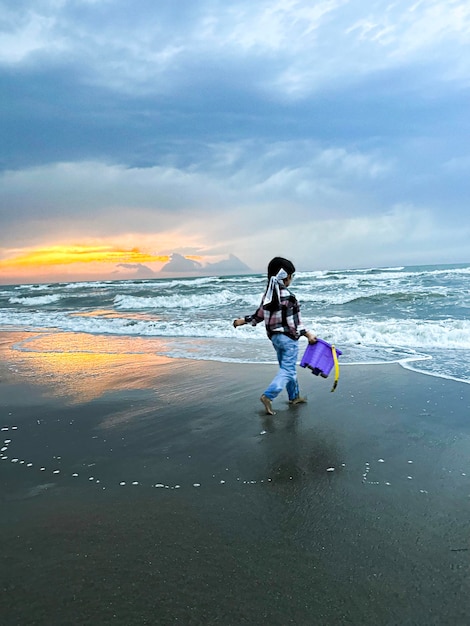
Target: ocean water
(417, 316)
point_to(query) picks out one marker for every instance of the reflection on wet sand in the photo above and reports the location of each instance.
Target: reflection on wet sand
(82, 367)
(294, 454)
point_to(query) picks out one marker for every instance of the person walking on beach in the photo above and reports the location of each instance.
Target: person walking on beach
(280, 312)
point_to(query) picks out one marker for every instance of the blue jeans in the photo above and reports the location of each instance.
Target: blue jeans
(287, 350)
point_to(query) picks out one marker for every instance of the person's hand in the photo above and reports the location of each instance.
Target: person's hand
(311, 337)
(238, 322)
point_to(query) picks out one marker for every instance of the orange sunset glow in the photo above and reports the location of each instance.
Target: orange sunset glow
(73, 260)
(65, 255)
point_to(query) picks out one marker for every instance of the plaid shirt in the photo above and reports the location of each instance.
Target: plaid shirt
(285, 320)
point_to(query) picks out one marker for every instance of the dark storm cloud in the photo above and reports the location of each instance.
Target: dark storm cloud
(232, 115)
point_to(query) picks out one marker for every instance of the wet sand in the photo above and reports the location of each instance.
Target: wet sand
(145, 490)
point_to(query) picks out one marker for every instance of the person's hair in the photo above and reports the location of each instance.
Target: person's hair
(278, 263)
(274, 266)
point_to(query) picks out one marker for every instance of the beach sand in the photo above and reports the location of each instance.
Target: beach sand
(144, 490)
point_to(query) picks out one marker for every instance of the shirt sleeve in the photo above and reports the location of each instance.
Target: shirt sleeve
(257, 317)
(295, 320)
(300, 326)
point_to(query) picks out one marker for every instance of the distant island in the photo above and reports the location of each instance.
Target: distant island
(179, 264)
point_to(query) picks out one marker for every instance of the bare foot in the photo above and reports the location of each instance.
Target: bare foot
(298, 400)
(267, 405)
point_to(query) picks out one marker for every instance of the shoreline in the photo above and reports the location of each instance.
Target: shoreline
(50, 340)
(352, 508)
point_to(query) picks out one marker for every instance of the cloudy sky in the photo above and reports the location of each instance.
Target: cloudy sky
(333, 132)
